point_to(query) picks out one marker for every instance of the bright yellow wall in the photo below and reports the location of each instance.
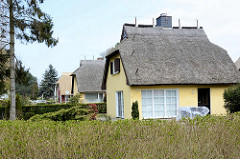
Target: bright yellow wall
(188, 96)
(117, 82)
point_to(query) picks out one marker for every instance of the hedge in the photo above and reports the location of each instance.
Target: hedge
(30, 110)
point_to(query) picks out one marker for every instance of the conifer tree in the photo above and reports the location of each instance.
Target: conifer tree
(27, 22)
(48, 83)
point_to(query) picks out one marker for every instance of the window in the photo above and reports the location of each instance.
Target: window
(115, 66)
(93, 97)
(159, 103)
(119, 104)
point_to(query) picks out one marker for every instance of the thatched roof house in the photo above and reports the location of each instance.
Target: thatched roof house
(156, 56)
(164, 69)
(237, 63)
(87, 79)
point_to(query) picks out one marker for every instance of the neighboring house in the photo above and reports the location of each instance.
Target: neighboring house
(87, 81)
(63, 87)
(164, 69)
(237, 63)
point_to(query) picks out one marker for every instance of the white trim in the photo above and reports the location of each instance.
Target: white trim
(117, 104)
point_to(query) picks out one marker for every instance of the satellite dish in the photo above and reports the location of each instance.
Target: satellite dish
(67, 92)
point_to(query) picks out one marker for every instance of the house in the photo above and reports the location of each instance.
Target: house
(87, 81)
(164, 69)
(237, 63)
(63, 87)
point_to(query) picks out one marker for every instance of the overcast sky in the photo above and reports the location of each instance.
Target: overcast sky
(86, 28)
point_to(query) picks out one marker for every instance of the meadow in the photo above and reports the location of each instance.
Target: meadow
(207, 137)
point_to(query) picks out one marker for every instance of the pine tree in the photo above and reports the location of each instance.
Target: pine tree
(48, 83)
(27, 22)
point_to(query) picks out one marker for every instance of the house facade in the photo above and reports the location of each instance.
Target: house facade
(87, 80)
(63, 88)
(164, 69)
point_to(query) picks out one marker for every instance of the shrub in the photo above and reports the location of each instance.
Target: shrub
(232, 98)
(74, 113)
(93, 111)
(135, 112)
(75, 99)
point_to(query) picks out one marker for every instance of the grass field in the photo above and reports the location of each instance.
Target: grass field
(208, 137)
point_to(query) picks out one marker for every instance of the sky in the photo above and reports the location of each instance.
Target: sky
(87, 28)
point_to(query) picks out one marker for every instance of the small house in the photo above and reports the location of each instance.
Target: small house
(87, 80)
(164, 68)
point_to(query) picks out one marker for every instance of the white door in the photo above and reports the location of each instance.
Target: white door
(119, 104)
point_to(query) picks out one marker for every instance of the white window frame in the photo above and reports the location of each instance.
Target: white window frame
(165, 103)
(117, 104)
(113, 68)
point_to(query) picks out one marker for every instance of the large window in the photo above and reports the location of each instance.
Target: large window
(93, 98)
(159, 103)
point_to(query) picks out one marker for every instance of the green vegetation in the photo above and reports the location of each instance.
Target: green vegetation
(208, 137)
(135, 112)
(74, 113)
(48, 82)
(232, 98)
(31, 110)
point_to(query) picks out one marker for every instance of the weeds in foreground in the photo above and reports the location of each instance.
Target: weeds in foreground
(208, 137)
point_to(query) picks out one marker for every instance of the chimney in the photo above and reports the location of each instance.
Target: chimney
(179, 24)
(164, 21)
(100, 58)
(135, 21)
(153, 22)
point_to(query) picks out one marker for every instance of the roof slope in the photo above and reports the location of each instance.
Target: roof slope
(89, 75)
(155, 56)
(65, 83)
(237, 63)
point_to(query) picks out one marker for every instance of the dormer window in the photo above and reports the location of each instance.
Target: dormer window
(115, 66)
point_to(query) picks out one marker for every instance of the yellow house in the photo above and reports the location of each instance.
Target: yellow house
(164, 69)
(63, 88)
(87, 80)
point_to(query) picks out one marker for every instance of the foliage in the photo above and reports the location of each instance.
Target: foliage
(48, 83)
(19, 111)
(26, 21)
(232, 98)
(4, 71)
(74, 113)
(75, 99)
(93, 111)
(207, 137)
(30, 110)
(26, 83)
(135, 112)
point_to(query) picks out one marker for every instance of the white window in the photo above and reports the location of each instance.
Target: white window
(159, 103)
(93, 98)
(115, 66)
(119, 104)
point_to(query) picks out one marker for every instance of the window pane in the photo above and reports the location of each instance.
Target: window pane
(168, 100)
(168, 93)
(174, 93)
(91, 96)
(159, 92)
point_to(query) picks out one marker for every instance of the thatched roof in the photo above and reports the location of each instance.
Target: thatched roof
(157, 56)
(237, 63)
(89, 75)
(65, 83)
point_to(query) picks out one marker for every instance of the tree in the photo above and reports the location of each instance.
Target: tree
(4, 71)
(232, 98)
(26, 83)
(47, 86)
(27, 22)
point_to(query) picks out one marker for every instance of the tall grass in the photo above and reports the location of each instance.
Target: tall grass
(208, 137)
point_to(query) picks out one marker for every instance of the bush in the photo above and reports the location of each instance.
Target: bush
(75, 113)
(232, 98)
(135, 112)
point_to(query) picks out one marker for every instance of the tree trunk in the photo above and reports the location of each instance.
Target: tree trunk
(12, 114)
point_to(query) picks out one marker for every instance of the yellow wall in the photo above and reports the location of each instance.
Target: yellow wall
(188, 94)
(117, 82)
